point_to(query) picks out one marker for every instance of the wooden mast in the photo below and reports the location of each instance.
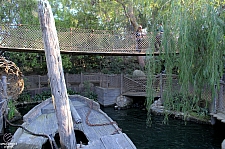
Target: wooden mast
(56, 76)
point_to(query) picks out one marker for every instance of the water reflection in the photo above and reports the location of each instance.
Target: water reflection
(175, 135)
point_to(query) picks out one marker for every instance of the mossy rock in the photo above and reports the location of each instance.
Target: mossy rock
(138, 74)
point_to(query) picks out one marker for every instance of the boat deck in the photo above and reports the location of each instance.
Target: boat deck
(100, 130)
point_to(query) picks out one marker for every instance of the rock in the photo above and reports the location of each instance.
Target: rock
(123, 101)
(138, 73)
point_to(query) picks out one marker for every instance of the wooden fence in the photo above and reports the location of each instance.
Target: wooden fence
(126, 83)
(38, 83)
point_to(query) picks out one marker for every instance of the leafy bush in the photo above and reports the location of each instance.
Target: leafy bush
(25, 96)
(12, 108)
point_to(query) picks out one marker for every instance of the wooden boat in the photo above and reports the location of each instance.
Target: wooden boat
(99, 129)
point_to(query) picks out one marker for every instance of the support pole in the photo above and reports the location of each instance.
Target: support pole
(56, 76)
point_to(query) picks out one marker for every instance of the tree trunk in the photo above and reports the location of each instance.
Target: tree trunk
(141, 61)
(128, 10)
(130, 15)
(56, 76)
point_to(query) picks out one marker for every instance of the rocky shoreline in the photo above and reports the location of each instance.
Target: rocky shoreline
(158, 109)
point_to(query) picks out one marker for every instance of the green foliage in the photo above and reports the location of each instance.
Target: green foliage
(28, 62)
(195, 29)
(42, 96)
(12, 108)
(88, 92)
(19, 11)
(89, 14)
(71, 92)
(24, 96)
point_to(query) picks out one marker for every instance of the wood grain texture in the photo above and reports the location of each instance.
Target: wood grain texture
(56, 76)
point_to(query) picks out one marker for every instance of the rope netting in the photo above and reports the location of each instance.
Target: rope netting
(74, 39)
(15, 82)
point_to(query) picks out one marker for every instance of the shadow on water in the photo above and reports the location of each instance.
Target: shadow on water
(177, 134)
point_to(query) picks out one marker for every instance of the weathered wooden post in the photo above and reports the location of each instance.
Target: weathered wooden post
(161, 86)
(3, 103)
(39, 82)
(121, 83)
(56, 76)
(220, 96)
(4, 87)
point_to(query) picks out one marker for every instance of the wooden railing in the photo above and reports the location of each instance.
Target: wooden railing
(29, 37)
(134, 84)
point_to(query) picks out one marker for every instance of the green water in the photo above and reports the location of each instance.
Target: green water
(175, 135)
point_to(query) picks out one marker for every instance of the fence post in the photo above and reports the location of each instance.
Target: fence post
(99, 79)
(107, 82)
(161, 86)
(121, 83)
(81, 78)
(71, 38)
(215, 100)
(67, 80)
(3, 104)
(221, 106)
(39, 81)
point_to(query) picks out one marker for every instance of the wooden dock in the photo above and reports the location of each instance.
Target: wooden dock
(100, 130)
(219, 116)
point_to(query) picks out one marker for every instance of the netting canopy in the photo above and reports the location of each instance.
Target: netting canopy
(15, 82)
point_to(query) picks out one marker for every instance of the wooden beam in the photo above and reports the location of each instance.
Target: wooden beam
(30, 50)
(56, 76)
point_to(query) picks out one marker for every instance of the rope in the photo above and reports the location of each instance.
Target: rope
(98, 124)
(50, 138)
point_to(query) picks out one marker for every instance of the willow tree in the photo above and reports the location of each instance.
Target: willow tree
(195, 29)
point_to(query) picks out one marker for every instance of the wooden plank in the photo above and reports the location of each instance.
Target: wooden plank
(112, 53)
(1, 124)
(97, 118)
(88, 131)
(219, 116)
(135, 94)
(117, 141)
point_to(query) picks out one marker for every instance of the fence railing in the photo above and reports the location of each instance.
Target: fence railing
(73, 39)
(219, 99)
(134, 84)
